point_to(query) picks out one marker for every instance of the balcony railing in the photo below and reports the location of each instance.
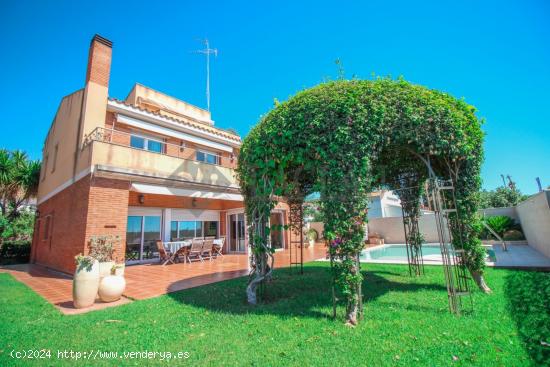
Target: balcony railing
(157, 146)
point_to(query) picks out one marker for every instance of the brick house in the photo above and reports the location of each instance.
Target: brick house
(145, 168)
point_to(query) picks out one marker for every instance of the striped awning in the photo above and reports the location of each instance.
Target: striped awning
(193, 193)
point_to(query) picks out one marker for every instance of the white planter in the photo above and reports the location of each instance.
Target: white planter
(85, 285)
(111, 288)
(105, 268)
(119, 270)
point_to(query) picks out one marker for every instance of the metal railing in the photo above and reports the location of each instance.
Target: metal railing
(157, 146)
(504, 245)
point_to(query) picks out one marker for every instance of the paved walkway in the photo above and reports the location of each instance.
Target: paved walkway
(147, 280)
(520, 256)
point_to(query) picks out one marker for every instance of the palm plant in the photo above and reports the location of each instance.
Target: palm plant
(19, 177)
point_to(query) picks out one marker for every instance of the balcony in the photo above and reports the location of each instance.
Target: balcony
(142, 155)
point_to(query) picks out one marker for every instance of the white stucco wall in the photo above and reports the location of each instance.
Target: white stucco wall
(534, 215)
(507, 211)
(391, 228)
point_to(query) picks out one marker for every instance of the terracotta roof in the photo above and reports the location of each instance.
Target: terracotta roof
(190, 122)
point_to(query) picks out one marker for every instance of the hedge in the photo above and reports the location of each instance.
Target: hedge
(15, 252)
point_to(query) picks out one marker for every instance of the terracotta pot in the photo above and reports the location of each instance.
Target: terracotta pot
(105, 268)
(85, 285)
(111, 288)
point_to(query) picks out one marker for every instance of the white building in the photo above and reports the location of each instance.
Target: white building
(384, 204)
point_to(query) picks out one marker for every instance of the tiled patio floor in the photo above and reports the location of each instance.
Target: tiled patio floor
(520, 256)
(148, 280)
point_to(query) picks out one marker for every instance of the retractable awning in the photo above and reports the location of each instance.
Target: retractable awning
(163, 190)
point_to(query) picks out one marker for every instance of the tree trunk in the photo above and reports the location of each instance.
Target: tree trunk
(480, 281)
(251, 289)
(263, 272)
(351, 313)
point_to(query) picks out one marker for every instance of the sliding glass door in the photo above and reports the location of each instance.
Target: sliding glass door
(236, 233)
(133, 238)
(142, 234)
(277, 238)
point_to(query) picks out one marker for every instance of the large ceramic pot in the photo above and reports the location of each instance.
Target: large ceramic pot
(105, 268)
(119, 269)
(111, 288)
(85, 284)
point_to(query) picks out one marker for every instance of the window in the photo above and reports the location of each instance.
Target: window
(207, 157)
(191, 229)
(154, 146)
(146, 143)
(186, 230)
(45, 168)
(210, 229)
(173, 229)
(55, 157)
(137, 142)
(47, 227)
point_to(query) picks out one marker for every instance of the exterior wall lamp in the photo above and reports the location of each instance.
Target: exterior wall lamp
(141, 198)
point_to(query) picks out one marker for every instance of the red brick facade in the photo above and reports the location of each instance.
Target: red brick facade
(99, 206)
(108, 211)
(62, 226)
(90, 206)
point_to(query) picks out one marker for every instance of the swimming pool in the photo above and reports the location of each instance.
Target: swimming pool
(431, 253)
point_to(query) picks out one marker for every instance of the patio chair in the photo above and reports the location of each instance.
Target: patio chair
(218, 247)
(182, 252)
(207, 248)
(165, 255)
(196, 249)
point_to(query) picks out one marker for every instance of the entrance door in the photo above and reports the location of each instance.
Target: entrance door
(236, 233)
(142, 233)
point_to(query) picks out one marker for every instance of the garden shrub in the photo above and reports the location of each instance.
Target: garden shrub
(499, 224)
(528, 294)
(15, 252)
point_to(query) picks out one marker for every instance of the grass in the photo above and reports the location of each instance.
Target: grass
(406, 323)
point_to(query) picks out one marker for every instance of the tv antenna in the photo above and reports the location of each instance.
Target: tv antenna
(207, 51)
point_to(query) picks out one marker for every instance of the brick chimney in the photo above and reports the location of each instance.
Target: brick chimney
(99, 61)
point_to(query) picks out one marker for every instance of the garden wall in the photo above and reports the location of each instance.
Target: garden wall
(319, 227)
(392, 231)
(534, 215)
(509, 211)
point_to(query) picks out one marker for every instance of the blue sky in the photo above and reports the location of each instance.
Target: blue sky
(496, 54)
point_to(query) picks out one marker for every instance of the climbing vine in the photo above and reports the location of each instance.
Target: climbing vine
(344, 139)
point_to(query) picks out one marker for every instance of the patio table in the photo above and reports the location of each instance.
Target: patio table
(174, 246)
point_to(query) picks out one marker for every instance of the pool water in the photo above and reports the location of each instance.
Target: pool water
(430, 252)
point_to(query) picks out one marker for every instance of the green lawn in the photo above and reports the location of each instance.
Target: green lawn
(406, 323)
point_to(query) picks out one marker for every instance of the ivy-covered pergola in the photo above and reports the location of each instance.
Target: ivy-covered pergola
(344, 139)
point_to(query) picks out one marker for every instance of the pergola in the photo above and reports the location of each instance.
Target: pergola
(345, 138)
